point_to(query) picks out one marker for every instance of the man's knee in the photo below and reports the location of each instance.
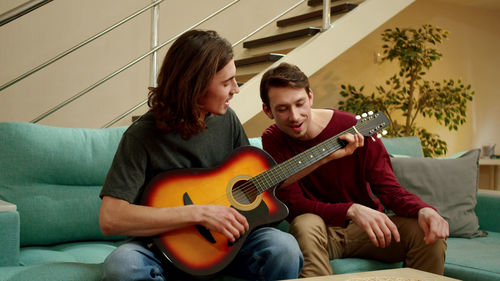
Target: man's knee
(283, 244)
(113, 267)
(287, 246)
(438, 248)
(262, 255)
(130, 262)
(308, 227)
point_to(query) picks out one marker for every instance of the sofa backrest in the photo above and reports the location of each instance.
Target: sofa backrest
(408, 146)
(54, 176)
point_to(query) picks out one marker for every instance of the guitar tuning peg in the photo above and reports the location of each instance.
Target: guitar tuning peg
(364, 115)
(384, 132)
(370, 112)
(358, 117)
(373, 139)
(379, 136)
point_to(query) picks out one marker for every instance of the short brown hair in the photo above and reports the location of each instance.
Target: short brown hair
(284, 75)
(187, 70)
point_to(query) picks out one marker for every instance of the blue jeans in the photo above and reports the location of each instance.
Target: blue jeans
(267, 254)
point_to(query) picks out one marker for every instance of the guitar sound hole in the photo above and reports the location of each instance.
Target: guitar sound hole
(244, 192)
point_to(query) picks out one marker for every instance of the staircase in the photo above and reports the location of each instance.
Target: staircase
(351, 22)
(297, 34)
(295, 37)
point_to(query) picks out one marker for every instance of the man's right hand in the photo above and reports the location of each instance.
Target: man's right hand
(119, 217)
(377, 225)
(223, 219)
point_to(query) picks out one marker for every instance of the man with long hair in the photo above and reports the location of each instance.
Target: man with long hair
(190, 125)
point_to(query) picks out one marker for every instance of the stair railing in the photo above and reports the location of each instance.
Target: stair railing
(77, 46)
(326, 14)
(21, 10)
(153, 52)
(128, 112)
(120, 70)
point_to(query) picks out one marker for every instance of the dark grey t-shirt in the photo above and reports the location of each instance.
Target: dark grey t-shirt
(145, 151)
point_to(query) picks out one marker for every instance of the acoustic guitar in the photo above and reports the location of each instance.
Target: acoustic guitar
(246, 181)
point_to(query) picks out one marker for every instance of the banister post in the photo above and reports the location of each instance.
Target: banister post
(326, 15)
(155, 18)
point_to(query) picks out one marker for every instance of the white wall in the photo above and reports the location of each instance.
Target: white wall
(59, 25)
(469, 54)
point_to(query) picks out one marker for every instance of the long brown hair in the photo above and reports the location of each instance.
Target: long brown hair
(188, 68)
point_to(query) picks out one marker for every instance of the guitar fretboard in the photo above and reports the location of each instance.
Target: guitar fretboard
(288, 168)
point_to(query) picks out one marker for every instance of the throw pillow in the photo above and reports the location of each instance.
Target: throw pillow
(450, 185)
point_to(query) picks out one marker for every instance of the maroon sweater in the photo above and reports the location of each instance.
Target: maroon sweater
(331, 189)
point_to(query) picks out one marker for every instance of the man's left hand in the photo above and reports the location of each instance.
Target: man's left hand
(434, 226)
(353, 142)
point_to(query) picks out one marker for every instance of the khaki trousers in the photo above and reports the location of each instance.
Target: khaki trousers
(321, 243)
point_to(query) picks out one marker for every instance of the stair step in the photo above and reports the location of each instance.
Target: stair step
(280, 37)
(241, 79)
(338, 9)
(271, 57)
(313, 3)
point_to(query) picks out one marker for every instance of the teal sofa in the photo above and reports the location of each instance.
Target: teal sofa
(50, 179)
(53, 177)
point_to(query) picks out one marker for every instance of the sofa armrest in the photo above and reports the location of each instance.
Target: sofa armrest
(9, 234)
(487, 209)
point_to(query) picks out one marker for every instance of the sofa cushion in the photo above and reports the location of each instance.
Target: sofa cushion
(473, 259)
(82, 252)
(487, 209)
(450, 185)
(9, 238)
(408, 146)
(54, 176)
(60, 271)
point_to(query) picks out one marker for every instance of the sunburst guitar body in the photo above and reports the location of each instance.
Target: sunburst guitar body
(246, 181)
(195, 249)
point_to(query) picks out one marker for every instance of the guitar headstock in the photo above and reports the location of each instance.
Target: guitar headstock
(370, 123)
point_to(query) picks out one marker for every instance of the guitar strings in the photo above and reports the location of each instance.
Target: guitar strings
(250, 187)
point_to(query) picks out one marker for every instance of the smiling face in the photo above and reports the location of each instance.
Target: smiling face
(291, 110)
(220, 90)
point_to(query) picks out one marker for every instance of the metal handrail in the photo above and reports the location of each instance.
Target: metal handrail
(21, 10)
(125, 114)
(93, 86)
(76, 47)
(269, 22)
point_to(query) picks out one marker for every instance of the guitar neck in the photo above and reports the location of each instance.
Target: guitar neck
(299, 162)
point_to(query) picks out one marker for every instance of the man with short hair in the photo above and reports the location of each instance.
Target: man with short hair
(337, 205)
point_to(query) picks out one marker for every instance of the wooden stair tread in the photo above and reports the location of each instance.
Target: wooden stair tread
(271, 57)
(313, 3)
(338, 9)
(280, 37)
(244, 78)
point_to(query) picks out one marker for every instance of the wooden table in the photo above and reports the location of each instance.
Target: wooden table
(492, 164)
(399, 274)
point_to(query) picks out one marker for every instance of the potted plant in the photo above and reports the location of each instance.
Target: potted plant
(407, 95)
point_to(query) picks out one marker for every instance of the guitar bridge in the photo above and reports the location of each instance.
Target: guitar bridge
(205, 232)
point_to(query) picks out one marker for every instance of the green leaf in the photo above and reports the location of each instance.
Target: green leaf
(446, 102)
